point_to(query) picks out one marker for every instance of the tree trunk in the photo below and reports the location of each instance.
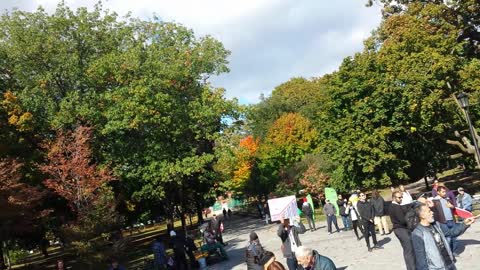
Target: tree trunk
(2, 259)
(199, 212)
(426, 181)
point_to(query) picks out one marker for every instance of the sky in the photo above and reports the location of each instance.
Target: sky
(270, 41)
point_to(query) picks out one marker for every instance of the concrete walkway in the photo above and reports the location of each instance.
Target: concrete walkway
(343, 248)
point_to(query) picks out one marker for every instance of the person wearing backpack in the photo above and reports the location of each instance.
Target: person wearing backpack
(253, 253)
(398, 213)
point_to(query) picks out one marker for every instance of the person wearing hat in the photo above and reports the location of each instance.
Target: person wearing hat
(464, 200)
(253, 252)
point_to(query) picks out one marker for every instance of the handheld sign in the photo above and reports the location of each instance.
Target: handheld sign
(462, 213)
(284, 207)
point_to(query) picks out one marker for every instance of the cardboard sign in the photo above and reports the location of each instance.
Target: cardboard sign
(284, 207)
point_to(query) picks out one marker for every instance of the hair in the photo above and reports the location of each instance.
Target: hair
(303, 251)
(441, 188)
(375, 194)
(276, 266)
(412, 217)
(265, 257)
(395, 193)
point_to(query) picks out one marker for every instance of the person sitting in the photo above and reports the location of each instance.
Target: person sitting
(464, 200)
(211, 244)
(310, 259)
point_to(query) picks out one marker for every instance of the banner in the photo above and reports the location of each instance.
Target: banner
(331, 195)
(310, 201)
(284, 207)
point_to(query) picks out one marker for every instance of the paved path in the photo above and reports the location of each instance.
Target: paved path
(343, 248)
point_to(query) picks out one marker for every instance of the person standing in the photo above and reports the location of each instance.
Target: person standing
(178, 246)
(342, 211)
(447, 209)
(159, 254)
(225, 216)
(354, 216)
(407, 198)
(290, 241)
(329, 211)
(464, 200)
(365, 210)
(380, 219)
(308, 212)
(397, 213)
(217, 228)
(253, 252)
(434, 188)
(430, 243)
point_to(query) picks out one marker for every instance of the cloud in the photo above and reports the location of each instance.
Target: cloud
(270, 40)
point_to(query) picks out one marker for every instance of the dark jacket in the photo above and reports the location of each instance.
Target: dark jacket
(365, 210)
(397, 214)
(283, 234)
(307, 210)
(341, 207)
(321, 263)
(378, 206)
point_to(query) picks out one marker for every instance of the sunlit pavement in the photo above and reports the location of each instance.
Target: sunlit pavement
(343, 248)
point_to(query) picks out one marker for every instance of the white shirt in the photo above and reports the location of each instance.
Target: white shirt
(407, 198)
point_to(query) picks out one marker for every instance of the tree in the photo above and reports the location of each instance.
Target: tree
(20, 204)
(70, 170)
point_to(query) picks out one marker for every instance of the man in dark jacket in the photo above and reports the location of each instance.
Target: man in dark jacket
(310, 259)
(329, 211)
(397, 213)
(365, 210)
(308, 212)
(290, 241)
(380, 219)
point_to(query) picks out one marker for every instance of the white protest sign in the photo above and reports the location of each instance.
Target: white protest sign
(284, 207)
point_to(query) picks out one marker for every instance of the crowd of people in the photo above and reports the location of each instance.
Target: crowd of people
(426, 229)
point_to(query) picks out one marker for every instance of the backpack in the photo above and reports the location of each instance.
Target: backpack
(411, 217)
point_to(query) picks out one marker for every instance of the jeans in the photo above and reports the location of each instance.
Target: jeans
(330, 219)
(292, 263)
(405, 237)
(345, 222)
(451, 240)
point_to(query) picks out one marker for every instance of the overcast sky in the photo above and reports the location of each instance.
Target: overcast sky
(270, 40)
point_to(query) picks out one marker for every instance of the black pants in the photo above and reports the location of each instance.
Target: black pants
(405, 237)
(355, 225)
(369, 229)
(310, 222)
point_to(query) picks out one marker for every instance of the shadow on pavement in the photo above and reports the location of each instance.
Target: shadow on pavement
(462, 243)
(384, 241)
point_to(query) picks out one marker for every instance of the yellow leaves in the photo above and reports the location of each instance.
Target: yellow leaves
(16, 117)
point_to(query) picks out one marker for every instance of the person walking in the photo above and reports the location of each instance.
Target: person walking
(217, 228)
(178, 246)
(329, 211)
(312, 260)
(380, 219)
(430, 243)
(464, 200)
(365, 210)
(354, 216)
(308, 212)
(397, 213)
(342, 211)
(290, 241)
(253, 252)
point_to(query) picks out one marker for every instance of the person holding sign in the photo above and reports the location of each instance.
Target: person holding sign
(290, 241)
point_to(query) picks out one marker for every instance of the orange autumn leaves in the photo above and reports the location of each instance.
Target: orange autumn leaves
(245, 154)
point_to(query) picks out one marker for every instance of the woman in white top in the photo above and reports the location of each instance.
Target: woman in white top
(407, 198)
(354, 216)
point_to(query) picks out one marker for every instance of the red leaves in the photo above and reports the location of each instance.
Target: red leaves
(72, 173)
